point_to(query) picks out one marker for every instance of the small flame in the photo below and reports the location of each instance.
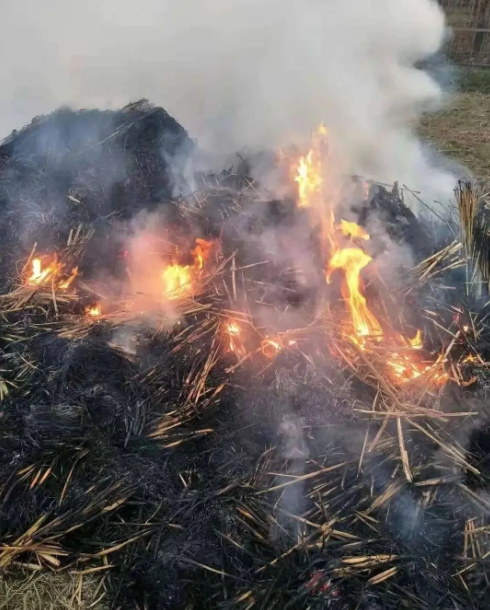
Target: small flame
(43, 274)
(66, 283)
(322, 130)
(94, 312)
(234, 334)
(351, 229)
(418, 341)
(202, 252)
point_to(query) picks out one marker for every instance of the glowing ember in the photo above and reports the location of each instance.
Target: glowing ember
(94, 312)
(405, 369)
(352, 261)
(271, 347)
(351, 229)
(49, 274)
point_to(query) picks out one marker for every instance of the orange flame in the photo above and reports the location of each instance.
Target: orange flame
(202, 252)
(234, 334)
(94, 312)
(179, 280)
(352, 261)
(271, 347)
(43, 275)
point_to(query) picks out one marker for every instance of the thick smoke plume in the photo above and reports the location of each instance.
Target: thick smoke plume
(238, 72)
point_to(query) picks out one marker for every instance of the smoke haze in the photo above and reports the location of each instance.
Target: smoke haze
(238, 72)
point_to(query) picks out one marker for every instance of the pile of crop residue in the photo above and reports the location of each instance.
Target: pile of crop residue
(231, 448)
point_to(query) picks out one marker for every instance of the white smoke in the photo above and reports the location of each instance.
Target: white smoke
(238, 72)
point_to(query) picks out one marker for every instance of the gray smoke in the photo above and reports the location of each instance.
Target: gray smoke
(239, 72)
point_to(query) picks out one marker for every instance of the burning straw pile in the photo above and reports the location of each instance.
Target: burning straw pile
(205, 405)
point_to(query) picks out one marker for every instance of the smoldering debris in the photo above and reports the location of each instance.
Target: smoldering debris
(73, 169)
(242, 452)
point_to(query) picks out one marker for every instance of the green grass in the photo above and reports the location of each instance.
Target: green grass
(474, 80)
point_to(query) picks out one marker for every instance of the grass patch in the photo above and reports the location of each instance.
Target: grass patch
(22, 590)
(462, 131)
(474, 80)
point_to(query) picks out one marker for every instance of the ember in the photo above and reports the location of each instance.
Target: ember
(271, 347)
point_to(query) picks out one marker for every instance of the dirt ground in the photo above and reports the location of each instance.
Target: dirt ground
(462, 131)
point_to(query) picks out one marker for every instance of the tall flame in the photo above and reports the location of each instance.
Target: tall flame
(352, 261)
(317, 194)
(309, 170)
(308, 179)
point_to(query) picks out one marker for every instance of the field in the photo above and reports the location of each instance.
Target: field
(462, 130)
